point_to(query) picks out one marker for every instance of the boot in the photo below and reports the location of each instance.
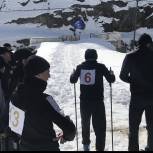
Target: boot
(86, 147)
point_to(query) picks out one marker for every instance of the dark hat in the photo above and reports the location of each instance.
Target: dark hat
(3, 50)
(144, 39)
(2, 63)
(91, 55)
(35, 65)
(8, 46)
(32, 49)
(23, 53)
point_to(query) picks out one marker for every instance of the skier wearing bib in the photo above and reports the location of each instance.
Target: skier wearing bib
(91, 75)
(137, 71)
(41, 111)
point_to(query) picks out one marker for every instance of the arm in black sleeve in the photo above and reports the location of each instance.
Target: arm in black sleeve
(109, 77)
(75, 75)
(64, 123)
(125, 71)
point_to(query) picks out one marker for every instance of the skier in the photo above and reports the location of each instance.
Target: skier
(40, 112)
(91, 75)
(137, 71)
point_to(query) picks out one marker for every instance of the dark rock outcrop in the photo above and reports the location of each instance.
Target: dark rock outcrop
(122, 20)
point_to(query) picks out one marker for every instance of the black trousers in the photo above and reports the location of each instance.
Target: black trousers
(138, 105)
(96, 110)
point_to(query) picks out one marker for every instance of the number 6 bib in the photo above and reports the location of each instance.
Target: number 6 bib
(16, 119)
(87, 77)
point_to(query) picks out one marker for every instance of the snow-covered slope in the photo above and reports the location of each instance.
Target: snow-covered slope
(7, 5)
(101, 11)
(24, 20)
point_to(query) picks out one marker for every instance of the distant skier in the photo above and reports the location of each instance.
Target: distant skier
(91, 75)
(137, 70)
(40, 109)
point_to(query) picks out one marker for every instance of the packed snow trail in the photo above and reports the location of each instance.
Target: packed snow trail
(63, 58)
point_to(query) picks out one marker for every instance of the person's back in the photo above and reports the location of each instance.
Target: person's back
(94, 91)
(91, 75)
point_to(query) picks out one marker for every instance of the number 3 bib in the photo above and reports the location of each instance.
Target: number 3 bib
(87, 77)
(16, 119)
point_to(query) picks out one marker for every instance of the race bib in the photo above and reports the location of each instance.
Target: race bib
(16, 119)
(87, 77)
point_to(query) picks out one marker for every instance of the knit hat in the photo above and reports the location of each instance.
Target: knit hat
(91, 55)
(3, 50)
(8, 46)
(23, 53)
(144, 39)
(35, 65)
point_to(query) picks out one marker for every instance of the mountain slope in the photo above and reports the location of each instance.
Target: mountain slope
(108, 15)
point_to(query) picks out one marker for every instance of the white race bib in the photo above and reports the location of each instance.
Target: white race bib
(87, 77)
(16, 119)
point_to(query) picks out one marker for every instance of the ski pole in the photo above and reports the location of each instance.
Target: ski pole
(111, 114)
(76, 116)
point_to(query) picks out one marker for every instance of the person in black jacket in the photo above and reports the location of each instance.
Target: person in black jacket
(137, 71)
(91, 76)
(40, 109)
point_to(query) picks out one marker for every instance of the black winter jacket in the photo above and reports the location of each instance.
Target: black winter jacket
(137, 70)
(95, 90)
(40, 115)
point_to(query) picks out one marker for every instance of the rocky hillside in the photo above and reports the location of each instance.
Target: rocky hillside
(110, 15)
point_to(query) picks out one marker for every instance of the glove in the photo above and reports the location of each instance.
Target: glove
(111, 72)
(69, 135)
